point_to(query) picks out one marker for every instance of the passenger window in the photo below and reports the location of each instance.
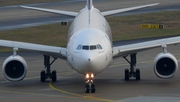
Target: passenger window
(85, 47)
(92, 47)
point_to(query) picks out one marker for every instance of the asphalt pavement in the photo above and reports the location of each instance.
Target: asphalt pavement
(110, 84)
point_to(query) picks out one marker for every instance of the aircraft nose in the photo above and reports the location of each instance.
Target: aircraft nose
(88, 57)
(90, 60)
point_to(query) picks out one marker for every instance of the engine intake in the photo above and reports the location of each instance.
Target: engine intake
(14, 68)
(165, 65)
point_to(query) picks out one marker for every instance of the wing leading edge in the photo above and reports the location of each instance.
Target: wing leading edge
(112, 12)
(68, 13)
(74, 14)
(58, 52)
(124, 50)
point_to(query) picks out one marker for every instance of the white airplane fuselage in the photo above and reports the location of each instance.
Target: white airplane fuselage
(89, 47)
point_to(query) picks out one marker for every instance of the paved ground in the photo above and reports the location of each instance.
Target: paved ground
(110, 83)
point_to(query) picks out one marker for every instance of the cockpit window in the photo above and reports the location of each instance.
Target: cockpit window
(99, 46)
(92, 47)
(85, 47)
(79, 47)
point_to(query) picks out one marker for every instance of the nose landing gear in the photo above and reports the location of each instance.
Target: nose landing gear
(89, 87)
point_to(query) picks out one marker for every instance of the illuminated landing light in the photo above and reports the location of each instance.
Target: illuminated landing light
(92, 75)
(89, 76)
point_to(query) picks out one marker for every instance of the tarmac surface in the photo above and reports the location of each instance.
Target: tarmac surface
(110, 84)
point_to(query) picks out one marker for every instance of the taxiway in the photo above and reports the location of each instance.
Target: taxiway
(110, 84)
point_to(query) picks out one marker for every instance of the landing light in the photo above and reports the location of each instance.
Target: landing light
(87, 76)
(92, 75)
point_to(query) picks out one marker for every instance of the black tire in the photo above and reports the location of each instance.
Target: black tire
(43, 76)
(93, 89)
(54, 77)
(126, 74)
(86, 88)
(138, 77)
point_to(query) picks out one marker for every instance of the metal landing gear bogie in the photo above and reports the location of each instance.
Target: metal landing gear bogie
(133, 72)
(45, 74)
(89, 87)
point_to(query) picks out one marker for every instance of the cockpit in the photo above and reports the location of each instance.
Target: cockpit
(89, 47)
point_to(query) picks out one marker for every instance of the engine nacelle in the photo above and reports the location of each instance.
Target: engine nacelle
(14, 68)
(165, 65)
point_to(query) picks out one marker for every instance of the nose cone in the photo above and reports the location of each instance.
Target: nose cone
(90, 62)
(89, 59)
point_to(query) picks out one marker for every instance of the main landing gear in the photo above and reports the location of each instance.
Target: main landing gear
(89, 87)
(45, 74)
(133, 72)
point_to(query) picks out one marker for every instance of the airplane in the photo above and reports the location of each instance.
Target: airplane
(89, 49)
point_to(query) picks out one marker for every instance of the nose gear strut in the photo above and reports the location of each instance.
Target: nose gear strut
(89, 87)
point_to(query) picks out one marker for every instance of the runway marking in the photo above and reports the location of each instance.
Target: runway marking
(52, 87)
(27, 93)
(16, 92)
(74, 95)
(62, 74)
(79, 95)
(123, 64)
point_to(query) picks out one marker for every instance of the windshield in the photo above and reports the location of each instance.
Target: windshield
(89, 47)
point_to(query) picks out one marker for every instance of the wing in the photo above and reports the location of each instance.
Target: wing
(112, 12)
(124, 50)
(58, 52)
(68, 13)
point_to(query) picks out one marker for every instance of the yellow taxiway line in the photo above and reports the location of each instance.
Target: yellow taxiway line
(79, 95)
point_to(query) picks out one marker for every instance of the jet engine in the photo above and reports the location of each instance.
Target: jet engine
(14, 68)
(165, 65)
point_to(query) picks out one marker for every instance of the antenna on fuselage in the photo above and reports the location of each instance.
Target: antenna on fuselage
(89, 4)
